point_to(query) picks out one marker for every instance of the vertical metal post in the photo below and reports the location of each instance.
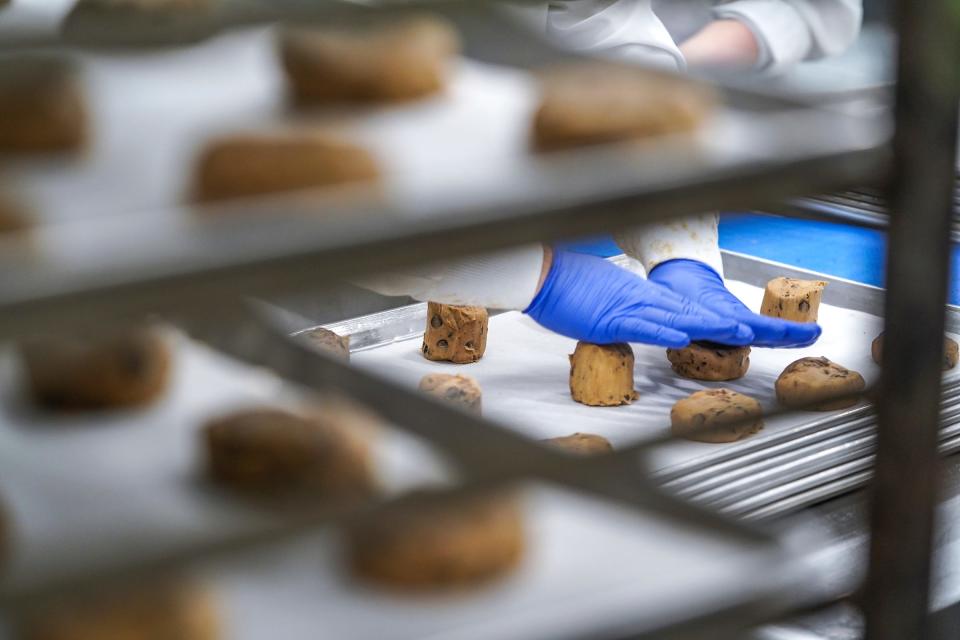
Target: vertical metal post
(906, 481)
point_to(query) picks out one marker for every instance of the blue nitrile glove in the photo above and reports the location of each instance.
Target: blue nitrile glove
(587, 298)
(700, 283)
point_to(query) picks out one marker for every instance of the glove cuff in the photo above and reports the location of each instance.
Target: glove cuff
(685, 263)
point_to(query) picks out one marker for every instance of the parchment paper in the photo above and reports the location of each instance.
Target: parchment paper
(152, 112)
(524, 377)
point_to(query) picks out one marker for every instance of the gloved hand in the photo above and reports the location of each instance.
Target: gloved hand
(590, 299)
(700, 283)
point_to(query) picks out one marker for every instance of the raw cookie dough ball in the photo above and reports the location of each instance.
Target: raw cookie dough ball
(708, 361)
(457, 389)
(582, 444)
(791, 299)
(328, 342)
(140, 22)
(817, 384)
(438, 542)
(455, 334)
(180, 610)
(41, 105)
(128, 369)
(951, 352)
(603, 102)
(716, 415)
(601, 375)
(402, 60)
(261, 164)
(271, 452)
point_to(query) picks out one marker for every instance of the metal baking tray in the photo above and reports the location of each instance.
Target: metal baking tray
(87, 491)
(458, 171)
(800, 458)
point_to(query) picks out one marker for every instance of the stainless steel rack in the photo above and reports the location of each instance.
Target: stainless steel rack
(198, 275)
(865, 206)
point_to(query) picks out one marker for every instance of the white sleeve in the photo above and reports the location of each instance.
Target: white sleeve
(626, 30)
(692, 238)
(502, 280)
(789, 31)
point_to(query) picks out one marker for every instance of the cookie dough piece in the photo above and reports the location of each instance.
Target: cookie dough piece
(328, 342)
(14, 218)
(128, 369)
(582, 444)
(708, 361)
(6, 533)
(179, 610)
(272, 452)
(791, 299)
(260, 164)
(138, 23)
(817, 384)
(457, 389)
(604, 102)
(401, 60)
(455, 334)
(715, 416)
(432, 541)
(42, 107)
(951, 352)
(601, 375)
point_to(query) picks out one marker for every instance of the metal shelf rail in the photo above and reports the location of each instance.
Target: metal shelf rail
(203, 293)
(907, 468)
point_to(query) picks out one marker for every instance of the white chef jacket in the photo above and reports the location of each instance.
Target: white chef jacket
(787, 32)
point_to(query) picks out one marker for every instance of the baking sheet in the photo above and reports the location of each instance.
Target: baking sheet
(524, 377)
(591, 571)
(151, 113)
(130, 482)
(86, 489)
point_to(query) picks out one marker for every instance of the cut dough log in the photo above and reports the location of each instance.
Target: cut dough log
(604, 102)
(6, 533)
(715, 416)
(951, 352)
(402, 60)
(455, 334)
(139, 23)
(272, 452)
(817, 384)
(431, 541)
(602, 375)
(457, 389)
(328, 342)
(42, 108)
(14, 217)
(582, 444)
(181, 610)
(791, 299)
(254, 165)
(129, 369)
(708, 361)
